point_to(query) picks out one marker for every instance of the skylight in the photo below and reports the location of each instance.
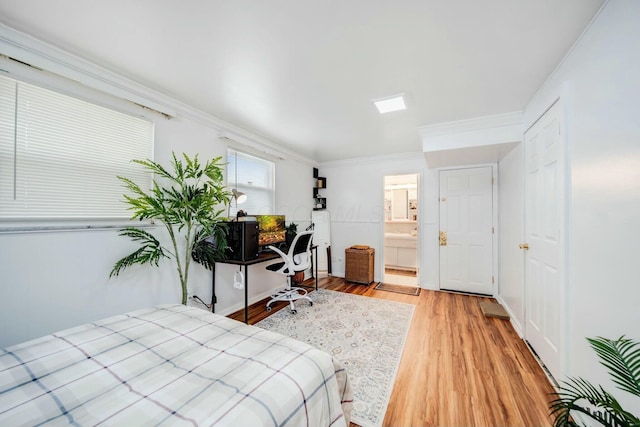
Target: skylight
(388, 105)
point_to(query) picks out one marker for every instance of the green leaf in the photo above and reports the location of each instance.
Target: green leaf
(210, 245)
(621, 357)
(150, 251)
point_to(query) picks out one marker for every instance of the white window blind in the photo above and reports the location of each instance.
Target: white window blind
(255, 177)
(60, 156)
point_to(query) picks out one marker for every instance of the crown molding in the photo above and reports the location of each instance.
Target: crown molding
(372, 159)
(476, 132)
(41, 55)
(36, 53)
(477, 123)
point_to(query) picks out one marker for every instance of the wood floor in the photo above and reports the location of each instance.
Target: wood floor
(458, 367)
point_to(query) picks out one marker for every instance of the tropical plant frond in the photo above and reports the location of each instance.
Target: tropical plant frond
(210, 245)
(150, 251)
(204, 252)
(139, 235)
(576, 390)
(621, 357)
(213, 169)
(143, 205)
(155, 168)
(193, 169)
(132, 186)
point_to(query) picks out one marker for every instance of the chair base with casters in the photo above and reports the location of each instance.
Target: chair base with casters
(296, 260)
(289, 294)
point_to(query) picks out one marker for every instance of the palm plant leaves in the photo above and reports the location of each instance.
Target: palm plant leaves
(150, 251)
(622, 358)
(185, 201)
(207, 248)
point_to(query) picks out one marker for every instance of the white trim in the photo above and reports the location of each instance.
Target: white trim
(476, 132)
(372, 159)
(252, 300)
(513, 319)
(48, 80)
(485, 122)
(32, 51)
(39, 54)
(233, 139)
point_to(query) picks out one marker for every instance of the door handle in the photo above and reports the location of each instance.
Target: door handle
(524, 246)
(443, 238)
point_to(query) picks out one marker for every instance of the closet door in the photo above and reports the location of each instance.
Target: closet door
(544, 245)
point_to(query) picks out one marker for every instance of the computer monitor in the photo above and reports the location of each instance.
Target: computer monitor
(272, 230)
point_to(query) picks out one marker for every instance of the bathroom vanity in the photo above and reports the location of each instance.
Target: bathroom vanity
(400, 251)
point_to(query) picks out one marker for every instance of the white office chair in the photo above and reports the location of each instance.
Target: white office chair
(297, 259)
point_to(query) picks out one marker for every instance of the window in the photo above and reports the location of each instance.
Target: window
(255, 177)
(60, 156)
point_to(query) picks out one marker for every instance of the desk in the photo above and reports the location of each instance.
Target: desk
(263, 257)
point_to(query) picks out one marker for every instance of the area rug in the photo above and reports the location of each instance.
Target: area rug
(366, 334)
(399, 289)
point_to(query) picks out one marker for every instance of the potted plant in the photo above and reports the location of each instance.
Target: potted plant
(186, 203)
(621, 357)
(290, 232)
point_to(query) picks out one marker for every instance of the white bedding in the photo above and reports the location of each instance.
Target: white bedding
(171, 365)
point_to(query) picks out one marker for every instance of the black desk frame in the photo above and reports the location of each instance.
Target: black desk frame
(272, 256)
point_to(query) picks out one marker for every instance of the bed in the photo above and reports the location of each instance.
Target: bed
(170, 366)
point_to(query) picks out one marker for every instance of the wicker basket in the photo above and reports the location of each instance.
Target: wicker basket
(359, 264)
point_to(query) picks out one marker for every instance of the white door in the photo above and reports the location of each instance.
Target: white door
(466, 230)
(322, 237)
(544, 236)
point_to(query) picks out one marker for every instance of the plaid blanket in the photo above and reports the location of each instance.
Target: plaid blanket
(171, 365)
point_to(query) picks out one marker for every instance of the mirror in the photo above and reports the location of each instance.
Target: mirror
(399, 204)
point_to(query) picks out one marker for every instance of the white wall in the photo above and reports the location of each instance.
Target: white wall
(510, 232)
(55, 280)
(600, 83)
(355, 200)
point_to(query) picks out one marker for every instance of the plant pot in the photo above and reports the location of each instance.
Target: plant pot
(298, 277)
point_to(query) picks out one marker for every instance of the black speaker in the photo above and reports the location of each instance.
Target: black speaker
(242, 240)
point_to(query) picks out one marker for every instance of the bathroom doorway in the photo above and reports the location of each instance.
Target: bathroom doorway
(401, 205)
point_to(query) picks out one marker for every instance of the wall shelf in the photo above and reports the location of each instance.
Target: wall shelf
(319, 201)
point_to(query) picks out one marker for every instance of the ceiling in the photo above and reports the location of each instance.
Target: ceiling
(302, 73)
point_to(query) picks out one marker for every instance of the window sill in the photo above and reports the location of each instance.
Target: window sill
(24, 227)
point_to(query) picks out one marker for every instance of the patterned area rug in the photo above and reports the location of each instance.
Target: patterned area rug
(366, 334)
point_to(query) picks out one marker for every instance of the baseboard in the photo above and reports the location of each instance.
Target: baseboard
(514, 322)
(252, 300)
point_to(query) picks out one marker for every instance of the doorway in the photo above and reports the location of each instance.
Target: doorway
(467, 230)
(401, 205)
